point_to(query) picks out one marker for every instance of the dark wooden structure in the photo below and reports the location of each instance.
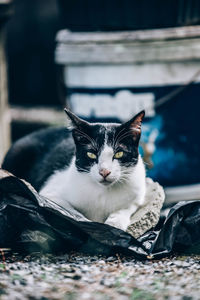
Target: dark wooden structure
(115, 15)
(4, 112)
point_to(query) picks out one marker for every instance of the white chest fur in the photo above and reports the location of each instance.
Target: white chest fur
(93, 200)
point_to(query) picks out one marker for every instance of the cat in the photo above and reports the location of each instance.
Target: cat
(94, 167)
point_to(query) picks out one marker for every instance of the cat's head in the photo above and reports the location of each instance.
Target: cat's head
(108, 152)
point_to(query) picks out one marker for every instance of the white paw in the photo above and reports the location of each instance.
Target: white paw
(115, 220)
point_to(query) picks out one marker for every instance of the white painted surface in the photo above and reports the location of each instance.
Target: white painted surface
(173, 33)
(122, 105)
(128, 52)
(182, 193)
(139, 75)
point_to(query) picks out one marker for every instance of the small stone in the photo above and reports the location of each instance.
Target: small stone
(84, 268)
(111, 258)
(101, 262)
(77, 277)
(69, 269)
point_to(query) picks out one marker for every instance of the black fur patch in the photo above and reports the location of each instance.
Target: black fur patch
(93, 138)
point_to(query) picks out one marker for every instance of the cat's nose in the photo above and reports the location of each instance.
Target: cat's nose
(104, 173)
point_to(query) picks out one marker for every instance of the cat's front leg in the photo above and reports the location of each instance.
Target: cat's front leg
(122, 218)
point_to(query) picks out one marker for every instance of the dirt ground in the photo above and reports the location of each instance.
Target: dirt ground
(77, 276)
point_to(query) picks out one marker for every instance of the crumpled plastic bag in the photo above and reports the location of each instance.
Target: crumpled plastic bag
(30, 222)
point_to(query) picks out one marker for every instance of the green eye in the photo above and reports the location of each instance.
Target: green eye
(91, 155)
(119, 154)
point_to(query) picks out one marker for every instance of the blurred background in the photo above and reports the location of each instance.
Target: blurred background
(107, 60)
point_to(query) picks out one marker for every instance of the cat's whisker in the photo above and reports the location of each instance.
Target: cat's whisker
(125, 172)
(115, 140)
(127, 134)
(124, 176)
(88, 138)
(122, 180)
(82, 170)
(146, 163)
(128, 170)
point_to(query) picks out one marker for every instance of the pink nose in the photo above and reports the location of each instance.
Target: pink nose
(104, 173)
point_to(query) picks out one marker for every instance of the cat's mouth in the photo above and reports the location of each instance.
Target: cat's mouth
(106, 182)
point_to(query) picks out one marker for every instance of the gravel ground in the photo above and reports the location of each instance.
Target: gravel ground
(77, 276)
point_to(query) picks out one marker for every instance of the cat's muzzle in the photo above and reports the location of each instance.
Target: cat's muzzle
(106, 182)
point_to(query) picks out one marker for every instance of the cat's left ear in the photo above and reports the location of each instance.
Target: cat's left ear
(134, 125)
(74, 121)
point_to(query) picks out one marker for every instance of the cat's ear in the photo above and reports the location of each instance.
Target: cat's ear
(136, 122)
(134, 125)
(80, 128)
(73, 121)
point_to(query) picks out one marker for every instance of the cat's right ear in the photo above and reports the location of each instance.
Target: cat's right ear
(74, 121)
(79, 128)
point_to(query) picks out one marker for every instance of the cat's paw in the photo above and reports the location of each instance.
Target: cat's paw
(117, 221)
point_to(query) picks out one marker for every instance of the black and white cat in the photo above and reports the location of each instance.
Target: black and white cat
(95, 167)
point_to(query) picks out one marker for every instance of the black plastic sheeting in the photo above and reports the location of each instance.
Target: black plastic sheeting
(30, 222)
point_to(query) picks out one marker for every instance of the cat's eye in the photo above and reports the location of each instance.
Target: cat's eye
(91, 155)
(119, 154)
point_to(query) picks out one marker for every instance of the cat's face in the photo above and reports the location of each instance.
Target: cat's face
(107, 152)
